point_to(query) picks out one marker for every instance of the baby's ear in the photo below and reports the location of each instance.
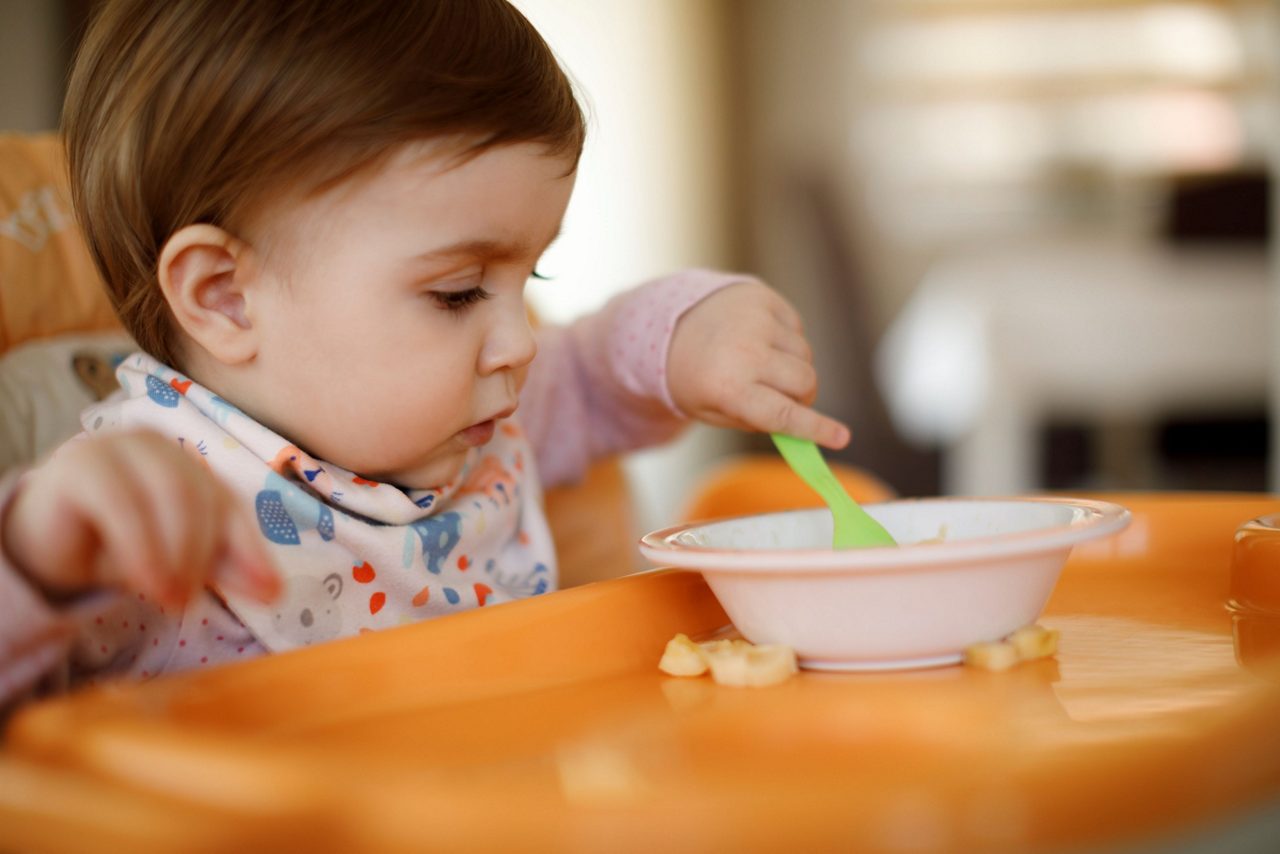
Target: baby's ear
(206, 275)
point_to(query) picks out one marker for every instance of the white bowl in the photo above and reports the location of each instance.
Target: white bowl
(915, 605)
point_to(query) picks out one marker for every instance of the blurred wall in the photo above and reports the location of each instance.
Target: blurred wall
(653, 180)
(802, 88)
(1274, 473)
(32, 61)
(885, 138)
(810, 227)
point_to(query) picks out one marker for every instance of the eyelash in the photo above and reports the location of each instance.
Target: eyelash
(459, 301)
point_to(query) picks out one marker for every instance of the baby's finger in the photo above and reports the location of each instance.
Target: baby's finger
(786, 314)
(793, 344)
(794, 377)
(770, 411)
(182, 510)
(245, 566)
(119, 514)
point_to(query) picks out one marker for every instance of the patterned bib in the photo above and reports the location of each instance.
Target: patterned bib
(355, 555)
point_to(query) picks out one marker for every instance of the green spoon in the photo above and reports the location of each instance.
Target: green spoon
(853, 528)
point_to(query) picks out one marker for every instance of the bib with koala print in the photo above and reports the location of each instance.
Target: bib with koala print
(354, 554)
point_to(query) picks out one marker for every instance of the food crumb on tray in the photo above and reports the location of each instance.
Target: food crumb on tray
(733, 662)
(1026, 644)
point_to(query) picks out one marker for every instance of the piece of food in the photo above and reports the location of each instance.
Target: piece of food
(732, 661)
(996, 655)
(753, 666)
(683, 657)
(1034, 642)
(724, 646)
(940, 537)
(1026, 644)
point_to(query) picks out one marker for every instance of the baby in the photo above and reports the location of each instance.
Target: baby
(317, 220)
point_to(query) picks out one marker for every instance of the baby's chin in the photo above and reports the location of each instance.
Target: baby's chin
(434, 474)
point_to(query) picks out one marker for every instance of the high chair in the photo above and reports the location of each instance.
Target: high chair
(52, 299)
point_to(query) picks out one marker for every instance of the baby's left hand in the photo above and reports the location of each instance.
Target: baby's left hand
(740, 359)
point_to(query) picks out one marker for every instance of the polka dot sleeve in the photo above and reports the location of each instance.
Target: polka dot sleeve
(34, 638)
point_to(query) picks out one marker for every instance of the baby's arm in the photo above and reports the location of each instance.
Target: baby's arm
(598, 386)
(129, 511)
(719, 347)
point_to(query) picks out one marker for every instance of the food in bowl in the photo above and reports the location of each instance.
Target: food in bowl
(906, 606)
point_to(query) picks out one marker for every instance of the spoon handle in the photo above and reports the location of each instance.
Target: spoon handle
(852, 526)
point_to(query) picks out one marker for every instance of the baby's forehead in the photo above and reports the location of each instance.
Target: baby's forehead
(407, 168)
(309, 198)
(447, 186)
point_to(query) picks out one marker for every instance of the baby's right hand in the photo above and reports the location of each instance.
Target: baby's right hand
(134, 511)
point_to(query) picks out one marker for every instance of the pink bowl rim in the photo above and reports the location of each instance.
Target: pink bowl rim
(1094, 519)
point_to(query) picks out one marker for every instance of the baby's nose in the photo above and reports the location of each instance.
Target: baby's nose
(509, 345)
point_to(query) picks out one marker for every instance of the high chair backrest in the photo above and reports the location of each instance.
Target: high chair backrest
(48, 285)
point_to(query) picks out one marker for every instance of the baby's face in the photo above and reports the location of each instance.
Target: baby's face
(393, 329)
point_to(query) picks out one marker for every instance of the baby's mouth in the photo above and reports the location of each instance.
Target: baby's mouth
(478, 434)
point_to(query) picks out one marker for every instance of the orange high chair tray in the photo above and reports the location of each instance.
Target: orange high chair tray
(545, 724)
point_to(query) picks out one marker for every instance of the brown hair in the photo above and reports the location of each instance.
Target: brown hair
(195, 111)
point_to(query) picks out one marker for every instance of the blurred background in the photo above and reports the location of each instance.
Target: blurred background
(1031, 238)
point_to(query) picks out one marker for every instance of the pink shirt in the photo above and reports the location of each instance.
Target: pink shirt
(597, 387)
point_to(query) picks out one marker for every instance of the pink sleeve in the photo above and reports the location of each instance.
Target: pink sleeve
(46, 647)
(34, 638)
(599, 386)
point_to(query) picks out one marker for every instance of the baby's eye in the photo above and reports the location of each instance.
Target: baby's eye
(460, 300)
